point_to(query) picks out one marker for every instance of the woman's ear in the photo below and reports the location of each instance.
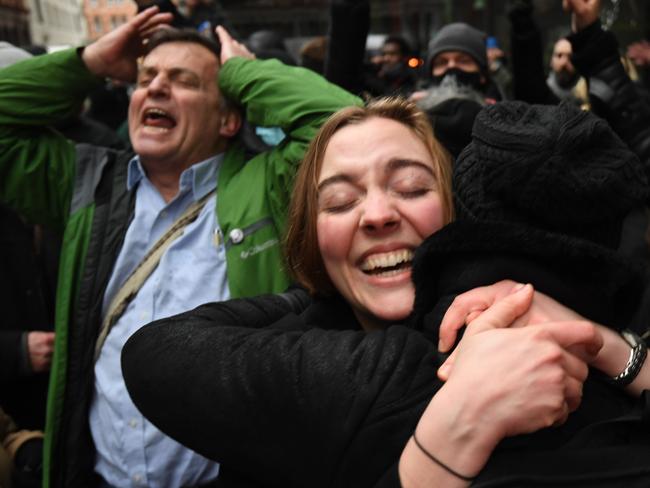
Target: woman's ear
(230, 124)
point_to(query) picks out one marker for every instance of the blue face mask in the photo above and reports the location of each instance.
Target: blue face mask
(270, 135)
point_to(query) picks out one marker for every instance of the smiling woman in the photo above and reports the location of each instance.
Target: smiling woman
(334, 394)
(372, 186)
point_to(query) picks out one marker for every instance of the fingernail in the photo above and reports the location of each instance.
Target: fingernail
(442, 346)
(518, 287)
(523, 287)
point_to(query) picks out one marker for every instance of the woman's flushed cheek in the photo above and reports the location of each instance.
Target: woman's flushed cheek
(335, 240)
(427, 218)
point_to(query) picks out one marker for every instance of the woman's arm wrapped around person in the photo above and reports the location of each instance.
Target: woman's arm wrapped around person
(521, 380)
(611, 360)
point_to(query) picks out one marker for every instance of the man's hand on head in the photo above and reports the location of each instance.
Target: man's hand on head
(115, 54)
(231, 48)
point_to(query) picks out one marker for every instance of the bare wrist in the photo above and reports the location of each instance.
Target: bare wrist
(613, 356)
(417, 471)
(455, 434)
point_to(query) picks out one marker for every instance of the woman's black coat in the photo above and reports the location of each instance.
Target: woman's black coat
(314, 401)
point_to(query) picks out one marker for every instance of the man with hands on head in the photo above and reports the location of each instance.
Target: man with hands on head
(188, 171)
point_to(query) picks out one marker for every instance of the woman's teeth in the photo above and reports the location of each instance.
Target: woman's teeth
(389, 263)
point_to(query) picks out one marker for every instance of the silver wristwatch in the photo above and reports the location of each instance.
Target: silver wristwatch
(635, 362)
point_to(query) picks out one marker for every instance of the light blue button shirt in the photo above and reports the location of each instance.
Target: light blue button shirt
(131, 452)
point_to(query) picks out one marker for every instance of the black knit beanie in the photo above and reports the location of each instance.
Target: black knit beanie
(459, 37)
(562, 168)
(542, 195)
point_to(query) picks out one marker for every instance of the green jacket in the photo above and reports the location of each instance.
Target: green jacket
(82, 191)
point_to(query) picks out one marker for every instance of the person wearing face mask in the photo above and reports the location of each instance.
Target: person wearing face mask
(459, 84)
(457, 55)
(347, 375)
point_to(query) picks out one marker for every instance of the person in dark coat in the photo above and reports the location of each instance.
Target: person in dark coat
(459, 84)
(341, 378)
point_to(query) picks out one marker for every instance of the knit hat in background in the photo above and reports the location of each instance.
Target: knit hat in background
(559, 167)
(459, 37)
(10, 54)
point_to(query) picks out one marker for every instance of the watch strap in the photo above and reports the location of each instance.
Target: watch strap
(635, 362)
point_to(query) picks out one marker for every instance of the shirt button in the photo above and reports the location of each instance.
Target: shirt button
(133, 423)
(236, 236)
(137, 478)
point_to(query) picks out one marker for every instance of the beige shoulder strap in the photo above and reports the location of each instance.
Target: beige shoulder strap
(142, 271)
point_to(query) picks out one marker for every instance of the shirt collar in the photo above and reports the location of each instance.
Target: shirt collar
(200, 178)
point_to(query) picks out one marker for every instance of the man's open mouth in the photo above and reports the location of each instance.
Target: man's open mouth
(158, 119)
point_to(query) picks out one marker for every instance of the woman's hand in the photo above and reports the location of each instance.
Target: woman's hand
(470, 306)
(504, 382)
(467, 307)
(529, 378)
(533, 308)
(539, 308)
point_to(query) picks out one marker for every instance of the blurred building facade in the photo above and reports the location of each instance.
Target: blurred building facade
(56, 23)
(71, 22)
(102, 16)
